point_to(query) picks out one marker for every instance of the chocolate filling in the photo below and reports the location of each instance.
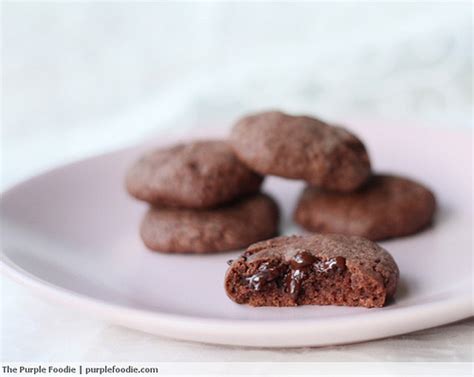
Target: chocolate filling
(292, 275)
(265, 274)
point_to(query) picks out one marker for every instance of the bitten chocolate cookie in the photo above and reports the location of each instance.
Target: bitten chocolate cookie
(232, 227)
(301, 147)
(313, 270)
(200, 174)
(387, 206)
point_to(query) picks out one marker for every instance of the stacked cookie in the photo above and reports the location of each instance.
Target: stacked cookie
(300, 147)
(343, 195)
(204, 195)
(202, 199)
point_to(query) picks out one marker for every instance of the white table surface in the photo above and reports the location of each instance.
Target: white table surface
(66, 88)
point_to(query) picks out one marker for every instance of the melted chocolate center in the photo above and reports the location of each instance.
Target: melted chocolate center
(265, 274)
(300, 266)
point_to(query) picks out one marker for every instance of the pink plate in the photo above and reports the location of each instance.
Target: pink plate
(71, 235)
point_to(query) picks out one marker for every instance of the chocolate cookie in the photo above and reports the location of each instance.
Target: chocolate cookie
(200, 174)
(313, 270)
(387, 206)
(301, 147)
(232, 227)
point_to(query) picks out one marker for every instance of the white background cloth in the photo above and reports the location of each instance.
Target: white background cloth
(82, 78)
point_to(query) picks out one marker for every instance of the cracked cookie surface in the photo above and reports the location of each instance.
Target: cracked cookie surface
(387, 206)
(201, 174)
(301, 147)
(230, 227)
